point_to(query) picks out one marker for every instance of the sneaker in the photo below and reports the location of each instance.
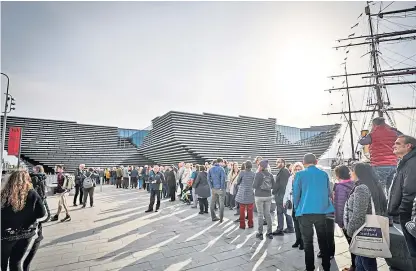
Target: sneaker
(411, 228)
(148, 211)
(296, 244)
(55, 218)
(201, 213)
(259, 236)
(287, 230)
(206, 212)
(237, 220)
(301, 247)
(66, 218)
(215, 219)
(269, 235)
(278, 233)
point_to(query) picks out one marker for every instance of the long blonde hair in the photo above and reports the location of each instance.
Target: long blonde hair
(15, 190)
(297, 164)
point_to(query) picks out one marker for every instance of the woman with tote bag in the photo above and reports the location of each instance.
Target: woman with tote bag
(365, 218)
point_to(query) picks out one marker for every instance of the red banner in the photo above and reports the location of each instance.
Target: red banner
(15, 135)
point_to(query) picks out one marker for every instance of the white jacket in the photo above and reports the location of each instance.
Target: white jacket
(186, 175)
(288, 191)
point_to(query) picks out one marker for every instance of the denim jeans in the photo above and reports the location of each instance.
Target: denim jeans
(365, 264)
(263, 211)
(385, 174)
(195, 198)
(281, 213)
(307, 223)
(217, 194)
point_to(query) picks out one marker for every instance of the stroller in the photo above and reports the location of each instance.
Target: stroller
(186, 196)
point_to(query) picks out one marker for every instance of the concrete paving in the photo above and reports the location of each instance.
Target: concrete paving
(116, 234)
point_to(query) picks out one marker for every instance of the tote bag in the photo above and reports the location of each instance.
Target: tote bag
(372, 239)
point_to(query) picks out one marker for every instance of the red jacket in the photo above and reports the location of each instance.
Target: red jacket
(381, 147)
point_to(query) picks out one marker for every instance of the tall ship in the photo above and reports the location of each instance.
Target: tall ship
(382, 39)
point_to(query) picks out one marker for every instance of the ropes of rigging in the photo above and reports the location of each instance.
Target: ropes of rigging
(381, 10)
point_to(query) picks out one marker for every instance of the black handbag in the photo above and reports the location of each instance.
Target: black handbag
(289, 204)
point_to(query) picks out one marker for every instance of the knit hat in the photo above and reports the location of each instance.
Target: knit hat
(264, 163)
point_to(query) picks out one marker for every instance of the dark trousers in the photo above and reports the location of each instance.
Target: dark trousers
(203, 205)
(181, 186)
(282, 214)
(330, 232)
(118, 182)
(32, 253)
(125, 182)
(133, 182)
(48, 211)
(164, 190)
(153, 194)
(349, 243)
(90, 192)
(365, 264)
(12, 253)
(172, 191)
(80, 192)
(410, 240)
(297, 228)
(229, 200)
(307, 222)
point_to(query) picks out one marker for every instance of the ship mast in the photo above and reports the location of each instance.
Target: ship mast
(380, 104)
(381, 107)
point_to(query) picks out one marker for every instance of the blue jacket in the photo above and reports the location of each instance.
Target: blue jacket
(216, 177)
(311, 192)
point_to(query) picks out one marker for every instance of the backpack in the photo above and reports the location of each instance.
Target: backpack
(69, 182)
(88, 182)
(267, 182)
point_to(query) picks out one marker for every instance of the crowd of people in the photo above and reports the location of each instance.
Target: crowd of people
(315, 201)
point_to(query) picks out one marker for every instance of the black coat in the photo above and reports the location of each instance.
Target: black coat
(170, 178)
(403, 188)
(279, 187)
(202, 188)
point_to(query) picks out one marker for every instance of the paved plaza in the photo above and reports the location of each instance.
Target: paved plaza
(116, 234)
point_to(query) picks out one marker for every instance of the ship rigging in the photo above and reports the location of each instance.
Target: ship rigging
(381, 74)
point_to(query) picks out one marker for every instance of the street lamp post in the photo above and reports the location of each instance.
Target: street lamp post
(3, 134)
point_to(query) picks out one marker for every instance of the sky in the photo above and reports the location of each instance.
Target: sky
(124, 63)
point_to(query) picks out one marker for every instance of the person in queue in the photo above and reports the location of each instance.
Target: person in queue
(312, 203)
(216, 179)
(155, 180)
(245, 194)
(367, 188)
(263, 184)
(79, 178)
(403, 189)
(202, 189)
(21, 207)
(298, 166)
